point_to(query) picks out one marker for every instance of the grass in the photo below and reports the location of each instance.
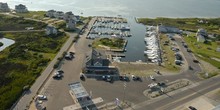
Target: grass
(33, 14)
(22, 62)
(212, 25)
(112, 43)
(9, 23)
(205, 51)
(168, 56)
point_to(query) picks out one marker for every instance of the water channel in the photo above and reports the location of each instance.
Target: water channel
(6, 42)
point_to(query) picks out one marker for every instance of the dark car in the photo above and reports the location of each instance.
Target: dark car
(192, 108)
(82, 77)
(188, 50)
(195, 61)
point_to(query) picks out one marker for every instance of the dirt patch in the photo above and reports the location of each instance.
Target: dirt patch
(141, 69)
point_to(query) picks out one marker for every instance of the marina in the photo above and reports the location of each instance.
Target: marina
(106, 27)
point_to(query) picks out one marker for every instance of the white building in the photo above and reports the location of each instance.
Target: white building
(51, 13)
(202, 32)
(4, 7)
(71, 24)
(68, 15)
(59, 15)
(21, 8)
(51, 30)
(200, 38)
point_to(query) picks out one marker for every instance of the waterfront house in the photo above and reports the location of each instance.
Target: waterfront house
(97, 62)
(21, 8)
(51, 13)
(4, 7)
(68, 15)
(71, 24)
(59, 15)
(51, 30)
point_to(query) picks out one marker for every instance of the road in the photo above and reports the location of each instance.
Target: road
(171, 102)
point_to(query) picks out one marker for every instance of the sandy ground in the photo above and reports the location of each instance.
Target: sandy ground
(141, 69)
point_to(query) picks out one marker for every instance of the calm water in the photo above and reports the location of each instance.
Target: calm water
(138, 8)
(6, 42)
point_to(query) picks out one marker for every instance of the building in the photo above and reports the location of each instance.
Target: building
(218, 49)
(202, 32)
(51, 30)
(166, 29)
(4, 7)
(71, 24)
(200, 38)
(68, 15)
(21, 8)
(51, 13)
(97, 62)
(59, 15)
(201, 35)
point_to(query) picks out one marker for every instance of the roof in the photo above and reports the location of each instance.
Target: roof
(78, 90)
(69, 13)
(96, 57)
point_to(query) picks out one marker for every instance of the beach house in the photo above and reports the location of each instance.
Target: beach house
(71, 24)
(21, 8)
(51, 30)
(51, 13)
(4, 7)
(68, 15)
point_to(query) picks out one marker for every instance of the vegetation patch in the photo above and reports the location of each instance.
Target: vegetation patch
(212, 25)
(1, 44)
(9, 23)
(32, 14)
(109, 43)
(22, 62)
(168, 55)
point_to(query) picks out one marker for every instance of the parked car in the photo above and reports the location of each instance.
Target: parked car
(41, 97)
(124, 78)
(82, 77)
(188, 50)
(58, 74)
(192, 108)
(195, 61)
(178, 62)
(69, 56)
(152, 78)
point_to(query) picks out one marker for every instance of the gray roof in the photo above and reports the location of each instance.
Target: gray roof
(96, 56)
(78, 90)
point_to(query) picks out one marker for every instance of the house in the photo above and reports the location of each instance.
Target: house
(51, 13)
(202, 32)
(59, 15)
(77, 18)
(4, 7)
(201, 35)
(200, 38)
(97, 62)
(71, 24)
(218, 49)
(51, 30)
(21, 8)
(68, 15)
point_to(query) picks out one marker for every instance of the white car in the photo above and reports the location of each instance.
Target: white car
(151, 77)
(41, 97)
